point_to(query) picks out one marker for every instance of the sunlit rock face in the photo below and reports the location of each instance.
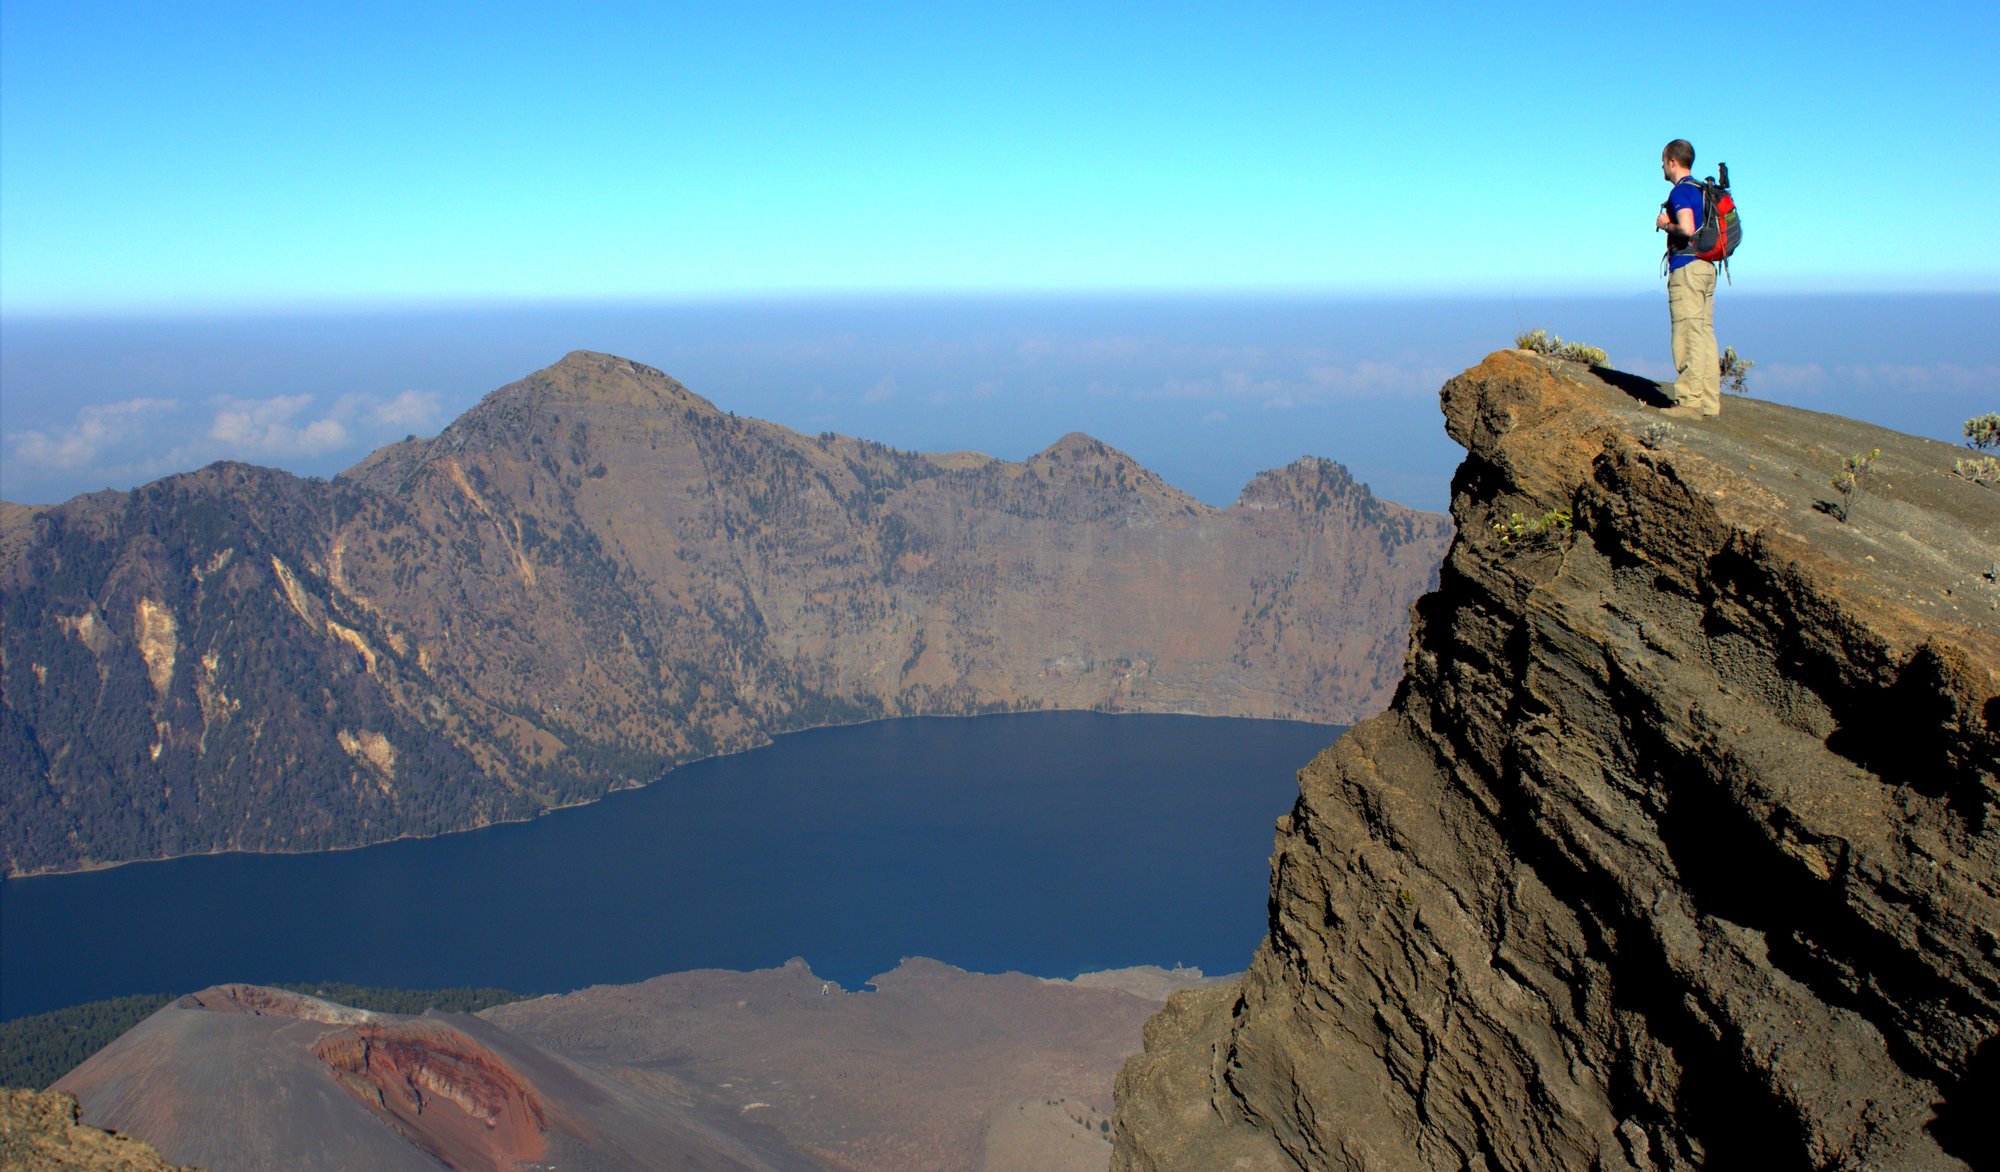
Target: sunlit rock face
(1678, 846)
(594, 575)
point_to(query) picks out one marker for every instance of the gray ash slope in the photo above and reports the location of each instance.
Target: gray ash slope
(934, 1068)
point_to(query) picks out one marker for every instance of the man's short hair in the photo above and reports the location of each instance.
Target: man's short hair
(1680, 151)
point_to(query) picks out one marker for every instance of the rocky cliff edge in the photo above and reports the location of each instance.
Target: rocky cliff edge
(1678, 845)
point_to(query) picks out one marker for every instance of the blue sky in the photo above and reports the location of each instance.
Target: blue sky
(1218, 236)
(235, 156)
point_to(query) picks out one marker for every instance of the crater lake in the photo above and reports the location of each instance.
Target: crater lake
(1047, 843)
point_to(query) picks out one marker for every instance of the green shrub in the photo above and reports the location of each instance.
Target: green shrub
(1736, 371)
(1979, 469)
(1578, 352)
(1541, 342)
(1852, 481)
(1517, 530)
(1983, 431)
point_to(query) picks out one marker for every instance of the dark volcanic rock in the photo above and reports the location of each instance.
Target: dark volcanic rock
(595, 575)
(1678, 846)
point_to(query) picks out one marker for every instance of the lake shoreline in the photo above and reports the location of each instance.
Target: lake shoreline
(1046, 843)
(97, 866)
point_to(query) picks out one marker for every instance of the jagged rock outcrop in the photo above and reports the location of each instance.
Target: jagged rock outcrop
(594, 575)
(40, 1132)
(1678, 846)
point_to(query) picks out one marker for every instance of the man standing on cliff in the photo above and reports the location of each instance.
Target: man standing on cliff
(1690, 290)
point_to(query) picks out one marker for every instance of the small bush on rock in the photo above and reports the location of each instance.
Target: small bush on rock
(1983, 431)
(1542, 342)
(1852, 481)
(1979, 470)
(1516, 530)
(1578, 352)
(1736, 371)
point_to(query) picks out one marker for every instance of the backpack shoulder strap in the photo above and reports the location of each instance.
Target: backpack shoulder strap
(1701, 219)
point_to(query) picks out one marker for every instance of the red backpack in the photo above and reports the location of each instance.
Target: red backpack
(1721, 228)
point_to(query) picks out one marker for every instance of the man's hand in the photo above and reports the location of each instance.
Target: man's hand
(1660, 225)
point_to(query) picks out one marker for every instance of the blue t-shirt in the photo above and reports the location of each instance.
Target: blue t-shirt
(1686, 194)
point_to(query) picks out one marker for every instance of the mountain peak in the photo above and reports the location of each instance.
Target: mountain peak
(606, 378)
(553, 403)
(1083, 460)
(1077, 444)
(1307, 483)
(592, 358)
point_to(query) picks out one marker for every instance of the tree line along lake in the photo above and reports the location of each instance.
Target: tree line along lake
(1049, 843)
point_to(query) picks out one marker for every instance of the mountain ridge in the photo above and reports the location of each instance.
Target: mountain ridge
(595, 574)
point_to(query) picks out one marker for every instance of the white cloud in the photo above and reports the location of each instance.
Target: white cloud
(141, 439)
(1281, 385)
(880, 393)
(1778, 376)
(1652, 368)
(411, 411)
(1941, 376)
(252, 428)
(99, 428)
(1905, 378)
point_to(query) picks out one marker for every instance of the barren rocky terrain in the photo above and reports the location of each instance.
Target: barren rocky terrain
(1678, 847)
(40, 1132)
(931, 1068)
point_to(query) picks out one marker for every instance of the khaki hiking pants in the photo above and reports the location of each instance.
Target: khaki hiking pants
(1691, 307)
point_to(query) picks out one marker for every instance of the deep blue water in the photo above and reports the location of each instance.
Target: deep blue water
(1050, 843)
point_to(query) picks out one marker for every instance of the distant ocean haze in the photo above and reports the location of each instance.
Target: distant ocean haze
(1207, 391)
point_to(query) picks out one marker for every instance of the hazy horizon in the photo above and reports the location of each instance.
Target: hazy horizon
(287, 235)
(1206, 390)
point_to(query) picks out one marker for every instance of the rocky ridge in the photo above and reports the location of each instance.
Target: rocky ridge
(594, 575)
(1678, 845)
